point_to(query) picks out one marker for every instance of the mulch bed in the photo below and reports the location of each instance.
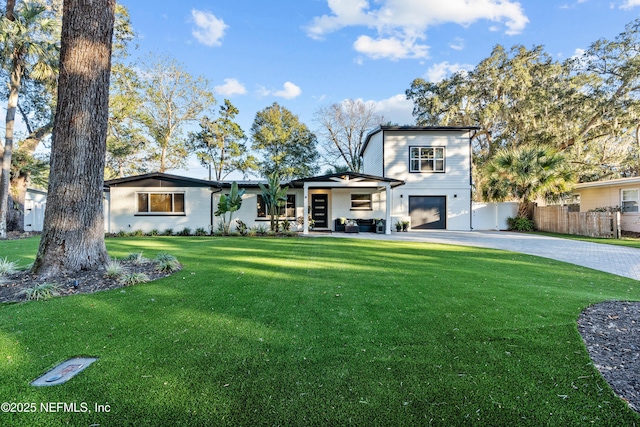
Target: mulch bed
(12, 286)
(610, 332)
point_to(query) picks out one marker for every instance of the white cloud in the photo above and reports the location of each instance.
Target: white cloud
(390, 48)
(438, 72)
(289, 91)
(397, 109)
(398, 24)
(209, 29)
(230, 87)
(457, 44)
(628, 4)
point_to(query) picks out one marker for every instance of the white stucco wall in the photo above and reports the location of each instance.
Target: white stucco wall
(248, 212)
(454, 184)
(340, 206)
(458, 205)
(123, 204)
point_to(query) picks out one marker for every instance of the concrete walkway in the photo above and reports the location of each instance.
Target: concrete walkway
(609, 258)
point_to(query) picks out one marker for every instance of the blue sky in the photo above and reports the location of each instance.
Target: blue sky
(305, 54)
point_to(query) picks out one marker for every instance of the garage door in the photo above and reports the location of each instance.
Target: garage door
(428, 212)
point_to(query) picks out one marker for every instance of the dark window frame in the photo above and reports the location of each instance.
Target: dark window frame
(360, 206)
(177, 198)
(421, 158)
(289, 207)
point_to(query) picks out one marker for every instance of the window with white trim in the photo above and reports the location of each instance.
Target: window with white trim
(630, 199)
(160, 203)
(426, 159)
(288, 210)
(361, 202)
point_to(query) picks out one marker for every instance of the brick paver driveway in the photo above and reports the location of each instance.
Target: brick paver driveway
(609, 258)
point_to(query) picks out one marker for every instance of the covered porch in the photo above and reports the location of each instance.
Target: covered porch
(345, 195)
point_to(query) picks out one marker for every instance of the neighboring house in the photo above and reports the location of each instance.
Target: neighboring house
(416, 174)
(35, 202)
(623, 193)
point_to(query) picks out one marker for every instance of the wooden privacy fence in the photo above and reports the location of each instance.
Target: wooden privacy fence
(558, 219)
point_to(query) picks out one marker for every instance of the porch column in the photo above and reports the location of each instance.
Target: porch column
(387, 189)
(305, 214)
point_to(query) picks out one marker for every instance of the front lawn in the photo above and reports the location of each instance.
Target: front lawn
(318, 331)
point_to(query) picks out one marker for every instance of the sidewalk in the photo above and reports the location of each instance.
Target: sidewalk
(609, 258)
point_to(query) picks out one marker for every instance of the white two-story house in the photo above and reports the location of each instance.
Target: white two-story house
(411, 173)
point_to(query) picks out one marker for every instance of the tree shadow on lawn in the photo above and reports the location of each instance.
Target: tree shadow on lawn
(404, 331)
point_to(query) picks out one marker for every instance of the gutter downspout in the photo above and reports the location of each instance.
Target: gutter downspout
(471, 136)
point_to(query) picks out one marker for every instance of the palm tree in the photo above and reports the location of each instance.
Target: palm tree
(526, 174)
(27, 50)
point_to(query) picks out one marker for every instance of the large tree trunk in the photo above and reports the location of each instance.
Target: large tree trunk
(73, 234)
(7, 152)
(525, 209)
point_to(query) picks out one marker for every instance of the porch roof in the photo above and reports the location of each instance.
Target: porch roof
(346, 178)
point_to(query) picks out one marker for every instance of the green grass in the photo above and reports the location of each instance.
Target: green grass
(318, 331)
(625, 241)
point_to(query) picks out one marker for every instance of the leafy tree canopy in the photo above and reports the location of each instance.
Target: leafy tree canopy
(221, 144)
(587, 106)
(287, 146)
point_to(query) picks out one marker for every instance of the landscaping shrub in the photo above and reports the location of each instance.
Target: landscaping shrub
(6, 266)
(168, 232)
(154, 232)
(43, 291)
(129, 279)
(137, 258)
(520, 223)
(185, 232)
(200, 232)
(241, 227)
(166, 263)
(114, 268)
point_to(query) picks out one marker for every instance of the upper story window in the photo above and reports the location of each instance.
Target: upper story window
(361, 202)
(426, 159)
(288, 210)
(630, 199)
(160, 203)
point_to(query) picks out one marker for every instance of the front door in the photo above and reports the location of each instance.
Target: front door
(320, 210)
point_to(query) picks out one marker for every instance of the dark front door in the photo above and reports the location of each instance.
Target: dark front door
(320, 210)
(428, 212)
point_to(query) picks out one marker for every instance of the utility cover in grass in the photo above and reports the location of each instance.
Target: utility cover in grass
(64, 371)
